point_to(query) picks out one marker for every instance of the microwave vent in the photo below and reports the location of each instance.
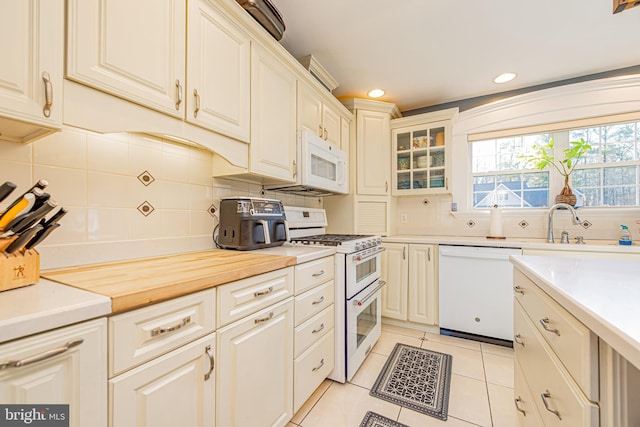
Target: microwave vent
(318, 72)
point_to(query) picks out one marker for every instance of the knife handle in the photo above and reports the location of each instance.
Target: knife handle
(41, 235)
(33, 217)
(22, 240)
(55, 217)
(24, 203)
(41, 184)
(6, 189)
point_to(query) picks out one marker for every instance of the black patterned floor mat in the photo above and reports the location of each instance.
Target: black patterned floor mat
(417, 379)
(371, 419)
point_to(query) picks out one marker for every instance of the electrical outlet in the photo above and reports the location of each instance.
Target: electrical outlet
(403, 218)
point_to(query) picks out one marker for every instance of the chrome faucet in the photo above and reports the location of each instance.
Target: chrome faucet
(574, 218)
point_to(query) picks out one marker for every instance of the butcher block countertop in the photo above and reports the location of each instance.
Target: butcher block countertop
(134, 283)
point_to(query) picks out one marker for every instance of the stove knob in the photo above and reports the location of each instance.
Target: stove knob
(379, 241)
(358, 246)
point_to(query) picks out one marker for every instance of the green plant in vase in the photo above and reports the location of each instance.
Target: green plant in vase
(542, 156)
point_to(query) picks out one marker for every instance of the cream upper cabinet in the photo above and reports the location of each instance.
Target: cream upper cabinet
(373, 153)
(272, 151)
(134, 50)
(218, 71)
(63, 366)
(411, 293)
(317, 116)
(32, 68)
(421, 160)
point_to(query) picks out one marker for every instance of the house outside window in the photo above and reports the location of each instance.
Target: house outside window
(608, 175)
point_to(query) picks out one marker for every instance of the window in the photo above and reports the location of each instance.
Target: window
(608, 175)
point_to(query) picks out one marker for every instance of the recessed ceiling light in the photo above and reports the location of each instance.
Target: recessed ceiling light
(376, 93)
(505, 77)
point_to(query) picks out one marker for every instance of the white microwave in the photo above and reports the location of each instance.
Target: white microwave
(321, 168)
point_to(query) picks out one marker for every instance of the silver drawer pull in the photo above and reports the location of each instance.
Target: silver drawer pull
(517, 289)
(320, 301)
(315, 331)
(319, 366)
(544, 396)
(196, 96)
(518, 339)
(261, 293)
(264, 319)
(212, 363)
(161, 331)
(42, 356)
(318, 274)
(48, 94)
(516, 401)
(544, 322)
(178, 94)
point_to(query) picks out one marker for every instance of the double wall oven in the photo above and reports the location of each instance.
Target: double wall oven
(357, 291)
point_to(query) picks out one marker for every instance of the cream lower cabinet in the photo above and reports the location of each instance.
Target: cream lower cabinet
(32, 68)
(411, 293)
(64, 366)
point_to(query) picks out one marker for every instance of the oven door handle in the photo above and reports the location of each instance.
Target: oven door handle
(358, 258)
(361, 302)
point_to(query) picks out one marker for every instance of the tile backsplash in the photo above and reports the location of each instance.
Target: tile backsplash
(128, 196)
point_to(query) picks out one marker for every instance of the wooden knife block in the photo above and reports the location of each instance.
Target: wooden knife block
(18, 270)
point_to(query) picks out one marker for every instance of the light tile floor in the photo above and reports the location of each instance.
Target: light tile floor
(481, 386)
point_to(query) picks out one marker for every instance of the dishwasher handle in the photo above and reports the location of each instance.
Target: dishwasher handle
(480, 254)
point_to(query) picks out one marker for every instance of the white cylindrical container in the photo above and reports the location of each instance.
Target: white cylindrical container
(495, 222)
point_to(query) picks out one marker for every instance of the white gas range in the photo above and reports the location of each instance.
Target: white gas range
(357, 286)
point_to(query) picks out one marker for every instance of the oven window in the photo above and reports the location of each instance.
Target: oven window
(366, 321)
(366, 269)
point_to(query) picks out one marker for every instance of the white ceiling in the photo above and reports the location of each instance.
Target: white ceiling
(429, 52)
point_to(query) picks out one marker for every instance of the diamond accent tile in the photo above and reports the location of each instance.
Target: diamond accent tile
(212, 210)
(146, 178)
(145, 208)
(523, 224)
(471, 223)
(586, 224)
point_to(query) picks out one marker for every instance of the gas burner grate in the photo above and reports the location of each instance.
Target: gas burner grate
(328, 239)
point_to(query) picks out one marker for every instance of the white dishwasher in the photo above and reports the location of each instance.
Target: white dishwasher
(476, 292)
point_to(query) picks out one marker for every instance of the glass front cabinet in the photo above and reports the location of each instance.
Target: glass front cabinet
(421, 159)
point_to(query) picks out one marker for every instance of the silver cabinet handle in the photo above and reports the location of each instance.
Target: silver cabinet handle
(212, 363)
(325, 134)
(386, 186)
(517, 289)
(320, 130)
(319, 366)
(321, 327)
(295, 169)
(179, 98)
(404, 252)
(517, 338)
(320, 301)
(318, 274)
(544, 322)
(48, 94)
(429, 254)
(42, 356)
(264, 319)
(544, 397)
(160, 331)
(196, 96)
(516, 401)
(261, 293)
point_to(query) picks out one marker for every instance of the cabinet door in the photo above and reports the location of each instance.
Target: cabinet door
(331, 126)
(373, 152)
(255, 369)
(33, 31)
(135, 50)
(394, 271)
(71, 369)
(218, 67)
(273, 117)
(373, 215)
(309, 109)
(177, 389)
(345, 134)
(423, 289)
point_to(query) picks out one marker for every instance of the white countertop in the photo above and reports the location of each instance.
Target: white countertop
(46, 305)
(302, 253)
(514, 242)
(603, 294)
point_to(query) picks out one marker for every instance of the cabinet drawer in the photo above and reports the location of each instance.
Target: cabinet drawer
(313, 301)
(244, 297)
(311, 368)
(313, 273)
(548, 379)
(313, 329)
(140, 335)
(526, 408)
(575, 345)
